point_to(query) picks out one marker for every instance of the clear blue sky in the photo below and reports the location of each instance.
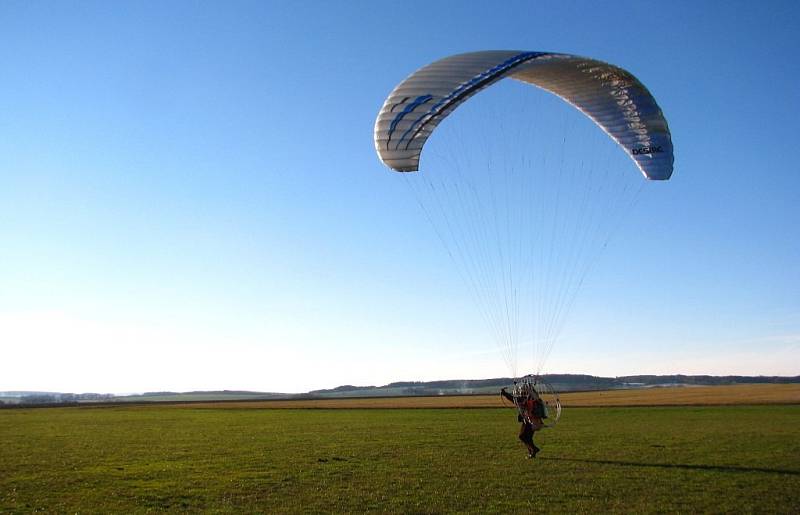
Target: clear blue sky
(190, 197)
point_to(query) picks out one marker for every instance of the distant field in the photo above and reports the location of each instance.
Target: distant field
(197, 396)
(678, 396)
(133, 459)
(690, 396)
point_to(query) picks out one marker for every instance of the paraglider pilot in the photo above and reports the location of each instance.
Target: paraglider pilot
(530, 410)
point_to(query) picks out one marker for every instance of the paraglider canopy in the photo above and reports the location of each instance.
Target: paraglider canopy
(612, 97)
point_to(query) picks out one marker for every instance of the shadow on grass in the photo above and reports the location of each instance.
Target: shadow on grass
(715, 468)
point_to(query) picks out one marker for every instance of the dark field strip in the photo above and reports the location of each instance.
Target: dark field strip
(137, 459)
(724, 395)
(728, 395)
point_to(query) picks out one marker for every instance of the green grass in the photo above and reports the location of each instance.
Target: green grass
(123, 459)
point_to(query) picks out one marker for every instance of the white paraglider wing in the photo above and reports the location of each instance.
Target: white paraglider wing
(612, 97)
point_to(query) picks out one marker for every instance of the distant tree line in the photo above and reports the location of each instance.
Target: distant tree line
(561, 382)
(63, 398)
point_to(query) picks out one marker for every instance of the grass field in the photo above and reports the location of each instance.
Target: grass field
(197, 458)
